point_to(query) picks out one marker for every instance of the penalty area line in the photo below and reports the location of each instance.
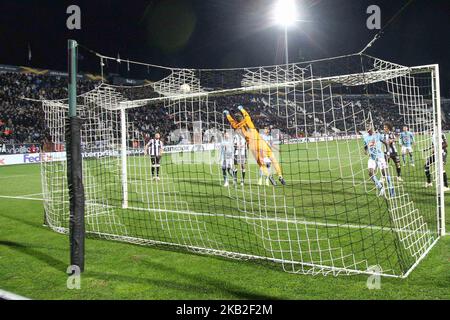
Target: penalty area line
(21, 198)
(32, 195)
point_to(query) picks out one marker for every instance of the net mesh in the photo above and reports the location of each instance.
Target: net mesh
(212, 195)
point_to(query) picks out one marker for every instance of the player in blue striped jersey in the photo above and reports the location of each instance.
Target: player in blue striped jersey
(373, 147)
(407, 143)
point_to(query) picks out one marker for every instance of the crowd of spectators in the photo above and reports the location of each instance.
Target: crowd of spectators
(22, 121)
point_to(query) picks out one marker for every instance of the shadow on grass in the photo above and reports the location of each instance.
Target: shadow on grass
(236, 291)
(28, 250)
(196, 283)
(24, 221)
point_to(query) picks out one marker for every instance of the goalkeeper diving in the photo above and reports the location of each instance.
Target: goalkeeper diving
(243, 123)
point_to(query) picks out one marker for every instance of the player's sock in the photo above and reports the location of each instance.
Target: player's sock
(411, 158)
(445, 180)
(231, 173)
(404, 159)
(272, 181)
(235, 171)
(243, 175)
(399, 170)
(377, 182)
(390, 186)
(157, 171)
(153, 171)
(224, 172)
(427, 173)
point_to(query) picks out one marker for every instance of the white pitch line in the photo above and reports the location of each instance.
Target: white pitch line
(21, 198)
(15, 176)
(33, 194)
(5, 295)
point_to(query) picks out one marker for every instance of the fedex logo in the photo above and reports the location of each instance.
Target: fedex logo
(28, 158)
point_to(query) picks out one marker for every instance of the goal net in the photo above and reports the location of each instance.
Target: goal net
(264, 163)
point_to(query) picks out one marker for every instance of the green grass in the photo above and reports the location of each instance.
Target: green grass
(33, 259)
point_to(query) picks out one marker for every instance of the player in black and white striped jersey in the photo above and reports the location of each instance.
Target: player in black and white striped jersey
(389, 140)
(155, 148)
(432, 159)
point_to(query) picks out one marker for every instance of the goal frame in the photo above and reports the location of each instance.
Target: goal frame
(384, 74)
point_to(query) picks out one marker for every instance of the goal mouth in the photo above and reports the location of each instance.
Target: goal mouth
(295, 188)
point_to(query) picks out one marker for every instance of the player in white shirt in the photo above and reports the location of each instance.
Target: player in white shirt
(227, 158)
(240, 156)
(267, 136)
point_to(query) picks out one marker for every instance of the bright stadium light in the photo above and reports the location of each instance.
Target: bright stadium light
(285, 12)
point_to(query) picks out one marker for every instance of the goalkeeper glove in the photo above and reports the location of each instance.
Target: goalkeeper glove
(226, 112)
(241, 108)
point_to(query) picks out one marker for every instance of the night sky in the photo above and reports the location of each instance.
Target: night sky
(221, 33)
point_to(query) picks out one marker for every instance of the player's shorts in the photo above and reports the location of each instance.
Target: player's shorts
(227, 164)
(432, 159)
(240, 159)
(156, 161)
(263, 153)
(394, 156)
(378, 163)
(405, 150)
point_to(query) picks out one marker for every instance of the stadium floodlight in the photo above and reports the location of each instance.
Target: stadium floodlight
(285, 12)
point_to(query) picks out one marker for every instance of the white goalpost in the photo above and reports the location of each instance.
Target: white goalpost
(329, 217)
(123, 154)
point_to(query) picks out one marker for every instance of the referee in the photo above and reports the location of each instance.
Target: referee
(154, 148)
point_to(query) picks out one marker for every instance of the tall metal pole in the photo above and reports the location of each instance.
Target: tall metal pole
(72, 78)
(74, 166)
(286, 47)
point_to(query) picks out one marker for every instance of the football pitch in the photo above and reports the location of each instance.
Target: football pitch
(33, 259)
